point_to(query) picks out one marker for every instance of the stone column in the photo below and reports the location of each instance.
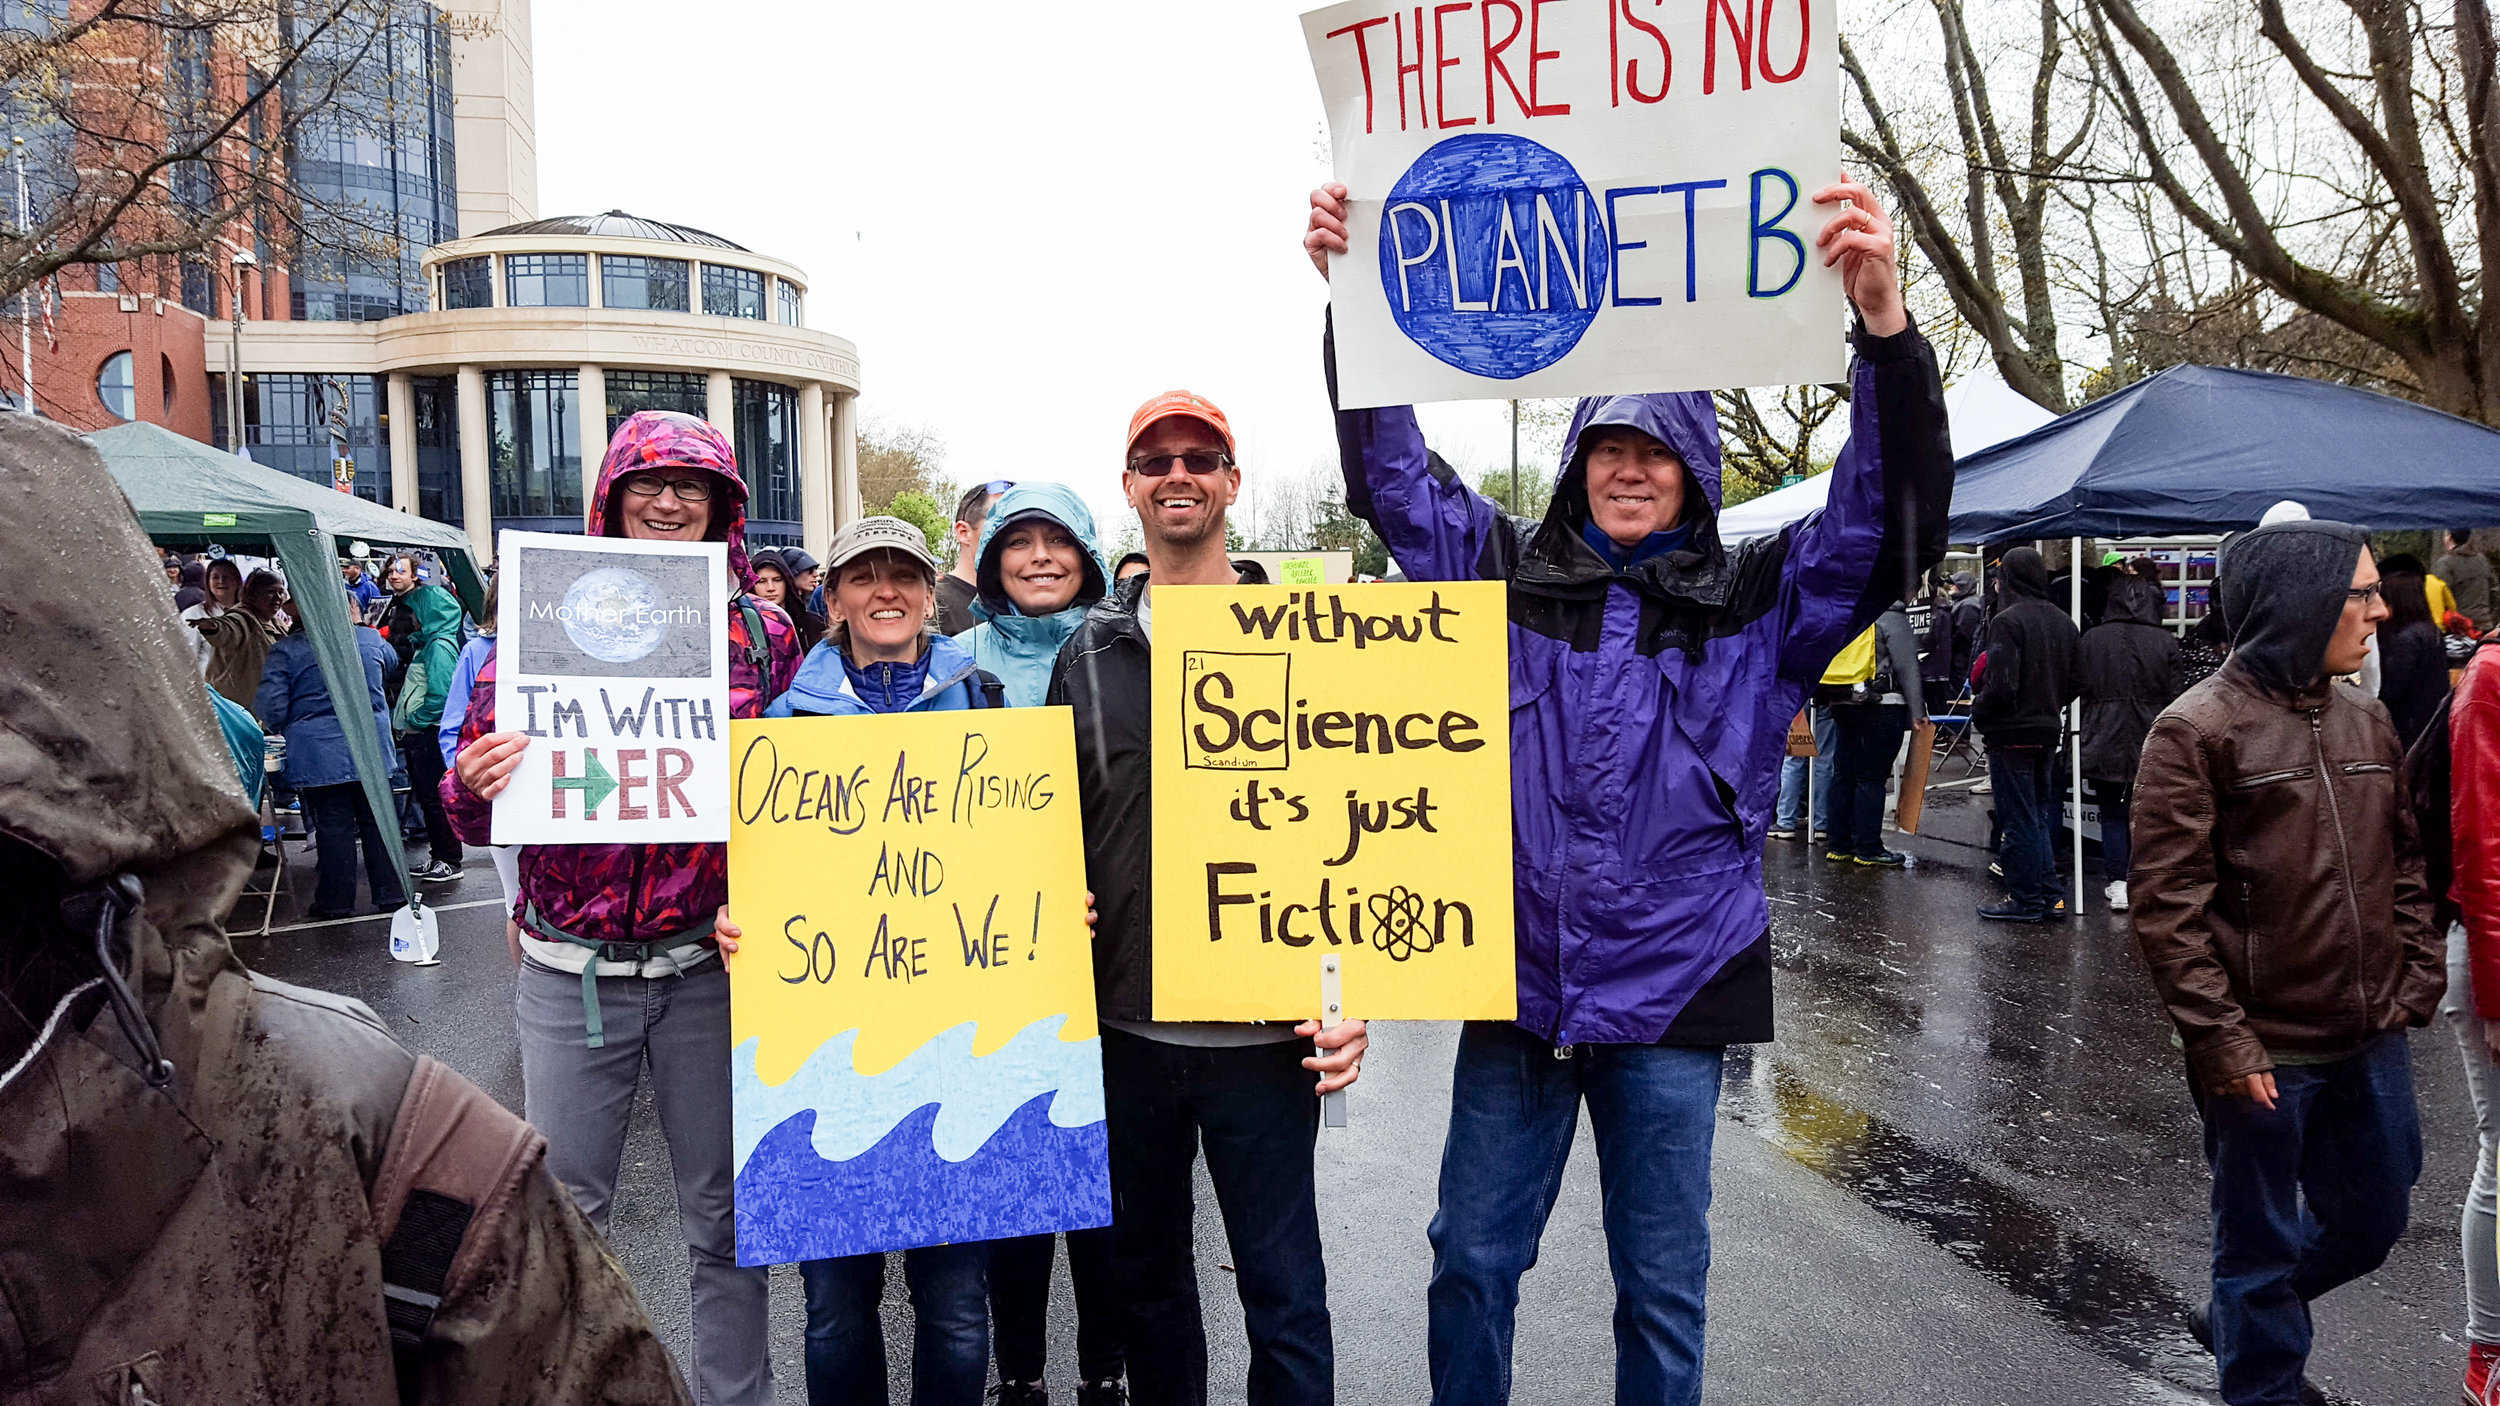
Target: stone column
(720, 407)
(403, 412)
(815, 471)
(590, 407)
(846, 504)
(477, 484)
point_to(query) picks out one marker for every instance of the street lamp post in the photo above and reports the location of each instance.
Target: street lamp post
(243, 259)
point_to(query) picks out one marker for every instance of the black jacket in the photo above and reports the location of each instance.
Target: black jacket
(2032, 661)
(2413, 677)
(1102, 673)
(2130, 673)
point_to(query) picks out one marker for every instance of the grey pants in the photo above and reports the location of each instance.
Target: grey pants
(581, 1098)
(2482, 1084)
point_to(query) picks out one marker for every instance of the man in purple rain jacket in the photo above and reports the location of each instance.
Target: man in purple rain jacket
(1653, 674)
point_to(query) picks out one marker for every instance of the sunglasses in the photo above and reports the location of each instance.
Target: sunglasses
(688, 490)
(996, 486)
(1197, 461)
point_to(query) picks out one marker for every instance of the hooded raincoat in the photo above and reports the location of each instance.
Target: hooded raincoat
(643, 893)
(944, 679)
(433, 660)
(2130, 673)
(1020, 648)
(214, 1238)
(1650, 704)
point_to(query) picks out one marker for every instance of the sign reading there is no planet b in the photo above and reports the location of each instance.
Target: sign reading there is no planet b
(613, 656)
(1551, 200)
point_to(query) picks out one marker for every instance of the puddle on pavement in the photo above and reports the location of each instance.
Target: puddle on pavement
(2115, 1305)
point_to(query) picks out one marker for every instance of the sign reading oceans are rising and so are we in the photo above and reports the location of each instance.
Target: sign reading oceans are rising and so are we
(1556, 199)
(1332, 780)
(913, 1058)
(614, 657)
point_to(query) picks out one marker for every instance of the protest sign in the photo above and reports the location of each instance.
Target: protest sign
(613, 655)
(1555, 199)
(913, 1054)
(1332, 777)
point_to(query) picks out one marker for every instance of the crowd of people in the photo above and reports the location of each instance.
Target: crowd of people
(2217, 762)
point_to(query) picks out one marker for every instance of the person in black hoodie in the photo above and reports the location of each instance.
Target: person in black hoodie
(2024, 687)
(2412, 651)
(2130, 673)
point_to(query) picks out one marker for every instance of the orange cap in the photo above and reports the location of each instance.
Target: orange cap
(1178, 403)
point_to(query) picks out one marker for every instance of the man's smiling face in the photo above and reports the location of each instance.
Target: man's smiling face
(1180, 507)
(1635, 484)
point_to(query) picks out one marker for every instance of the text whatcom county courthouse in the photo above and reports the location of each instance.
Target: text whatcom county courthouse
(473, 371)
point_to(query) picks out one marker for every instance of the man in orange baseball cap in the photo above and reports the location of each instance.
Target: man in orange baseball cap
(1247, 1093)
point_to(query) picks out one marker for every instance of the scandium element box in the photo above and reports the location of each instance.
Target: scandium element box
(1332, 777)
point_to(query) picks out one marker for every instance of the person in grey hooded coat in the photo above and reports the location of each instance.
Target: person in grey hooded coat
(2130, 673)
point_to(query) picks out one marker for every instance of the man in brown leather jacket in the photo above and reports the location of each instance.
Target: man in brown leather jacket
(2281, 904)
(215, 1187)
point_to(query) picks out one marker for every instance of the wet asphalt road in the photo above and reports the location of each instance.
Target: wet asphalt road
(1967, 1172)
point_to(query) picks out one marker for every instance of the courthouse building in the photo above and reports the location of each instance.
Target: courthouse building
(470, 362)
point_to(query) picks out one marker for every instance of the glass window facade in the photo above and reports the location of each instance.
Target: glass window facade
(629, 391)
(729, 292)
(469, 283)
(117, 388)
(437, 403)
(631, 281)
(297, 423)
(373, 157)
(786, 301)
(199, 290)
(532, 450)
(546, 280)
(767, 441)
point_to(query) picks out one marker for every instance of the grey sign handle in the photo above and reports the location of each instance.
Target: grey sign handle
(1332, 1106)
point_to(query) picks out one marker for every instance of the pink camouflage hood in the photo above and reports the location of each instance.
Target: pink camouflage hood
(666, 439)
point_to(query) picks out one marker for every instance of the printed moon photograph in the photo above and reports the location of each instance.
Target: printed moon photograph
(586, 613)
(613, 613)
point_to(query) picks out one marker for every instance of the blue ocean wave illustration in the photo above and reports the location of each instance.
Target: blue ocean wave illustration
(1034, 1176)
(974, 1095)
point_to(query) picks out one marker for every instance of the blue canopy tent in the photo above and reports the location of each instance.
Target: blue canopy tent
(2205, 449)
(2201, 449)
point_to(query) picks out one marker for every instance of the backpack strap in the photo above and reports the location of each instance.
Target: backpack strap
(454, 1159)
(989, 691)
(759, 643)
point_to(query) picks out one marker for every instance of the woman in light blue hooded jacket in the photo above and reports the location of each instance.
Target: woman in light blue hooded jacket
(1039, 569)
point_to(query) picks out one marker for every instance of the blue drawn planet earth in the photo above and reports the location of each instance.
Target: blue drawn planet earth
(614, 614)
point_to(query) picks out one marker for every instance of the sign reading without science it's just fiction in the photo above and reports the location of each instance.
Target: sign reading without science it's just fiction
(613, 656)
(1332, 779)
(913, 1055)
(1554, 199)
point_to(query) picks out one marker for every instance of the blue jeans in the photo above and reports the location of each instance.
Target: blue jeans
(2025, 783)
(2307, 1197)
(1513, 1110)
(1793, 776)
(950, 1352)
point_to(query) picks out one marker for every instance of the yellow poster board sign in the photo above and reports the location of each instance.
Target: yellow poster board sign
(1332, 778)
(912, 1006)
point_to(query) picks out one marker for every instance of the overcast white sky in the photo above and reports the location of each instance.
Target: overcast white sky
(1029, 218)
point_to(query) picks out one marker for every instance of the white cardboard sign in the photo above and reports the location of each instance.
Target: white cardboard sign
(613, 655)
(1581, 197)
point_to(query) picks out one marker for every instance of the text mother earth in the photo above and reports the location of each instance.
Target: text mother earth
(1555, 199)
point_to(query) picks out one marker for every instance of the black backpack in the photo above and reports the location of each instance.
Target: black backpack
(2426, 789)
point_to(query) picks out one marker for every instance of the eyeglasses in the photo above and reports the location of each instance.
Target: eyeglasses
(688, 490)
(2366, 595)
(1197, 461)
(996, 486)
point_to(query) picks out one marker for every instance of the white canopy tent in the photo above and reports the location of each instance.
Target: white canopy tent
(1981, 409)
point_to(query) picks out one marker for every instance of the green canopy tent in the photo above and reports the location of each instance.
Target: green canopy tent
(189, 495)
